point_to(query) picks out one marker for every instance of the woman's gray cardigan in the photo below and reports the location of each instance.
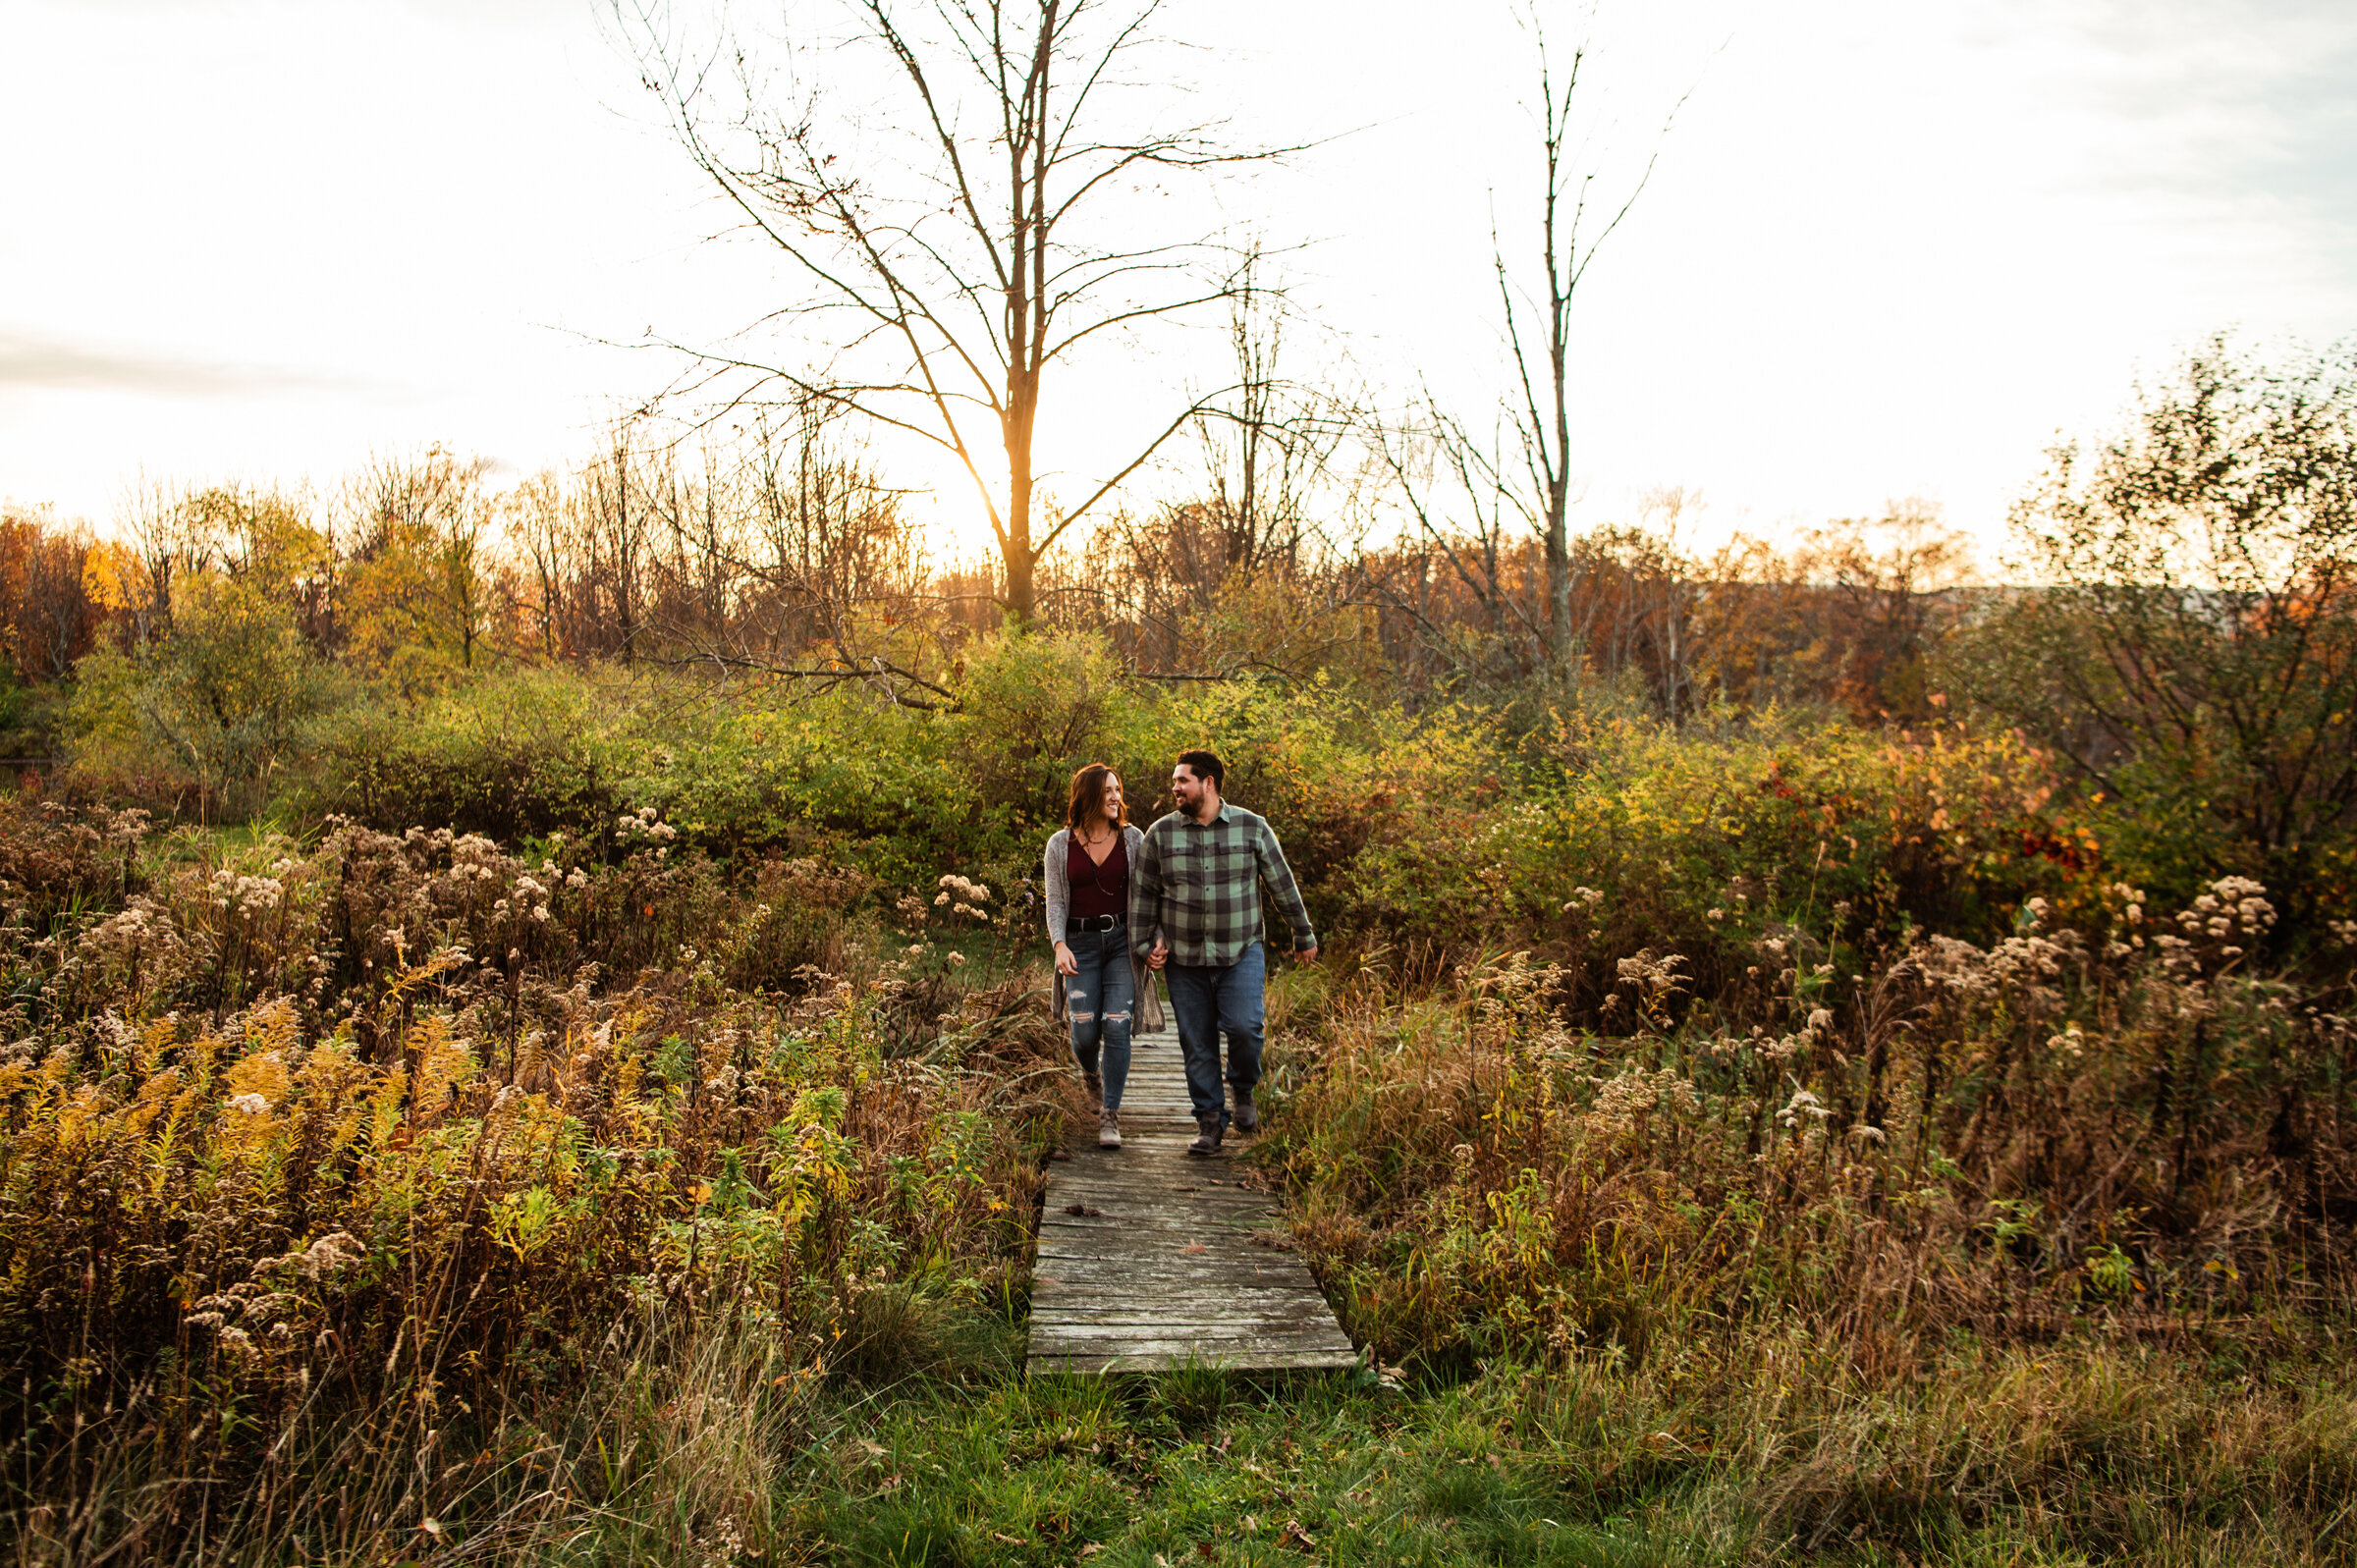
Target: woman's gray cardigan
(1055, 877)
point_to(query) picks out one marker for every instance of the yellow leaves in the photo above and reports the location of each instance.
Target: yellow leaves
(442, 1064)
(263, 1075)
(385, 1103)
(273, 1029)
(77, 1113)
(107, 574)
(159, 1037)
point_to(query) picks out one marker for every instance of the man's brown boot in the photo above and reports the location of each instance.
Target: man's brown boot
(1207, 1138)
(1247, 1115)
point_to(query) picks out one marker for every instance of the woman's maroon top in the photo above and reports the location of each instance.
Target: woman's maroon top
(1100, 889)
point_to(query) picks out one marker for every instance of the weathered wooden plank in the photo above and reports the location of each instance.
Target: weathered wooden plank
(1242, 1295)
(1158, 1267)
(1174, 1353)
(1075, 1284)
(1137, 1339)
(1143, 1356)
(1199, 1309)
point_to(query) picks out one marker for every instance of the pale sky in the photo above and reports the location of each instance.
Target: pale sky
(1889, 249)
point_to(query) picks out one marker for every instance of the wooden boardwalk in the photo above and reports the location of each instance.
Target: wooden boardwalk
(1149, 1258)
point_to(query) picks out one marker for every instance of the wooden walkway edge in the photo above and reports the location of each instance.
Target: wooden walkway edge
(1149, 1258)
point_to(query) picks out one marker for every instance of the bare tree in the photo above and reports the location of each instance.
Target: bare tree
(949, 299)
(169, 544)
(1265, 451)
(1570, 234)
(1435, 465)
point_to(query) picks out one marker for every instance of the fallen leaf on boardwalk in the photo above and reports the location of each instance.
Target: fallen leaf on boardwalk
(1275, 1240)
(1194, 1246)
(1293, 1534)
(1083, 1209)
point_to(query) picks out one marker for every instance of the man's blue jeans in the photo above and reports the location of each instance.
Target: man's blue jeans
(1210, 1001)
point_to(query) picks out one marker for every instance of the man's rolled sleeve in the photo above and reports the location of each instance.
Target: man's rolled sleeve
(1271, 856)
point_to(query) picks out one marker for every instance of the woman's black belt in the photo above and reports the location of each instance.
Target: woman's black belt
(1076, 924)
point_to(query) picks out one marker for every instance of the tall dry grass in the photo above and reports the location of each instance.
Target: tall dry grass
(1972, 1231)
(396, 1196)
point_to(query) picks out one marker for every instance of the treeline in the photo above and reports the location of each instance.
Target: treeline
(785, 558)
(2187, 654)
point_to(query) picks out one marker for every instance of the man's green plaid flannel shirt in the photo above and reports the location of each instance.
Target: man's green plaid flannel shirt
(1197, 886)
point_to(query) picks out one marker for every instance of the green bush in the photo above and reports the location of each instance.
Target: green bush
(206, 721)
(511, 756)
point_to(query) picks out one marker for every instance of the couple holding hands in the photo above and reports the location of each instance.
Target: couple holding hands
(1182, 898)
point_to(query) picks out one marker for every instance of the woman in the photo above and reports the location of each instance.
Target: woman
(1086, 874)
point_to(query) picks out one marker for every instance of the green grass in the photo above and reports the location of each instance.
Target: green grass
(2087, 1461)
(1194, 1466)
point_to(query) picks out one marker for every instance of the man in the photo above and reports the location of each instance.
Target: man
(1194, 907)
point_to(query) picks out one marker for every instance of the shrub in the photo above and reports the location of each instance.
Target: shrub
(2057, 1128)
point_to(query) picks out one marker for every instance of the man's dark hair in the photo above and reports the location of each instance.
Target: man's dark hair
(1205, 765)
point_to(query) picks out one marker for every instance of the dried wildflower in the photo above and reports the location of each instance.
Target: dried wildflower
(1802, 1104)
(642, 826)
(957, 889)
(328, 1254)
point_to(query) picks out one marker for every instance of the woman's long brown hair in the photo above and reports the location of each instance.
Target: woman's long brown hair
(1088, 797)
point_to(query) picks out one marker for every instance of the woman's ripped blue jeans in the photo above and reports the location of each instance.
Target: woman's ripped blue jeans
(1101, 997)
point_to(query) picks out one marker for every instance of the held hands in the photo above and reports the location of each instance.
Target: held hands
(1066, 964)
(1161, 954)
